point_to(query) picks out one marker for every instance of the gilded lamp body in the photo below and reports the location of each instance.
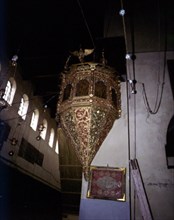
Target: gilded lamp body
(88, 105)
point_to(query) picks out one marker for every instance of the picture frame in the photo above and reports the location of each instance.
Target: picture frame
(107, 183)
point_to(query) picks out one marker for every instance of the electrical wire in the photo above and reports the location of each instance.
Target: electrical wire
(107, 25)
(134, 91)
(124, 28)
(133, 57)
(129, 147)
(128, 114)
(125, 34)
(159, 48)
(159, 96)
(155, 111)
(86, 24)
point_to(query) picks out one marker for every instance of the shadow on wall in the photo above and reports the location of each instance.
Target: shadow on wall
(24, 198)
(91, 209)
(170, 144)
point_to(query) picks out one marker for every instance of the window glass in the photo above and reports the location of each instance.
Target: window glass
(43, 133)
(34, 119)
(57, 147)
(51, 139)
(7, 91)
(23, 108)
(10, 91)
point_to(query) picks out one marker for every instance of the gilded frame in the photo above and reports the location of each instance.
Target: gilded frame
(107, 183)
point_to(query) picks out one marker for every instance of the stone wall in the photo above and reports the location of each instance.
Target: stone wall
(48, 172)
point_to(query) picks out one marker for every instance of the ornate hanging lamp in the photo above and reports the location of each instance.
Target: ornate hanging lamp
(88, 105)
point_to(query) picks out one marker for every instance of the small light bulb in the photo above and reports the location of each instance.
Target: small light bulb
(130, 81)
(134, 92)
(14, 58)
(11, 153)
(38, 138)
(122, 12)
(14, 141)
(128, 56)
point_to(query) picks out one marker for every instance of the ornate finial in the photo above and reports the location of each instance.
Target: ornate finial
(82, 53)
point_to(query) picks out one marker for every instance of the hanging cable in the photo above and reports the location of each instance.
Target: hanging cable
(133, 57)
(51, 98)
(133, 87)
(128, 56)
(107, 26)
(159, 49)
(159, 97)
(87, 26)
(122, 13)
(129, 151)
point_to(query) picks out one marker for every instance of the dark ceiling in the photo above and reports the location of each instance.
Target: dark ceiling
(42, 33)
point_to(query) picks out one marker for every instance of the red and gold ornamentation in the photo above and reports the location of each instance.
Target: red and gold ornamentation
(88, 105)
(107, 183)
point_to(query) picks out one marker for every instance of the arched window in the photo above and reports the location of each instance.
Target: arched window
(57, 147)
(10, 90)
(51, 139)
(114, 97)
(23, 108)
(34, 119)
(82, 88)
(170, 144)
(44, 132)
(100, 89)
(67, 92)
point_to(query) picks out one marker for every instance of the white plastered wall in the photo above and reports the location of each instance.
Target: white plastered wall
(147, 136)
(49, 172)
(148, 132)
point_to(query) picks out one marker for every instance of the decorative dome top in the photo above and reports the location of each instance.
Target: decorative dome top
(82, 53)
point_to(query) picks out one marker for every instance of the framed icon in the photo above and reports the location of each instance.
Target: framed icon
(107, 183)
